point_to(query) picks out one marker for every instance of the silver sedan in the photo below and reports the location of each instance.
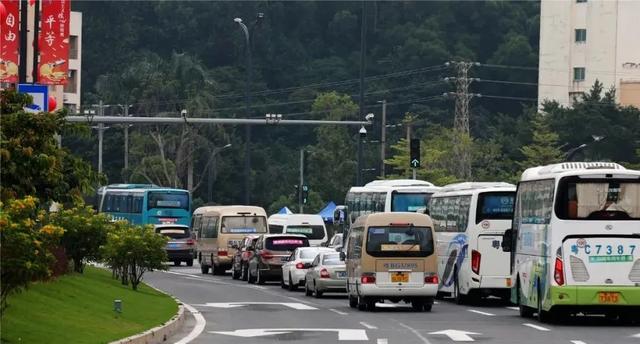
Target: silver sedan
(327, 273)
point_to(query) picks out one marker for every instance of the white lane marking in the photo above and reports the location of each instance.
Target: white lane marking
(343, 334)
(578, 342)
(382, 341)
(457, 335)
(371, 327)
(481, 312)
(635, 335)
(513, 308)
(436, 302)
(416, 333)
(181, 274)
(299, 300)
(337, 311)
(539, 328)
(292, 305)
(197, 330)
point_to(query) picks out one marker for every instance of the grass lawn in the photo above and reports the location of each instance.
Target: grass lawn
(78, 308)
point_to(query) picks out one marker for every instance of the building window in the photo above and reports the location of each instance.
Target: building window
(581, 35)
(578, 74)
(73, 47)
(72, 82)
(579, 1)
(575, 97)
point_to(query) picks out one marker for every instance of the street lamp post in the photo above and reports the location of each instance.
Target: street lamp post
(212, 169)
(247, 132)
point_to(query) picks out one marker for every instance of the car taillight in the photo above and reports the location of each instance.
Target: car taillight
(191, 242)
(325, 274)
(222, 253)
(431, 279)
(475, 261)
(300, 266)
(368, 279)
(264, 254)
(558, 272)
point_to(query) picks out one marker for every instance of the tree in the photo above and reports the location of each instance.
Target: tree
(543, 149)
(26, 240)
(32, 163)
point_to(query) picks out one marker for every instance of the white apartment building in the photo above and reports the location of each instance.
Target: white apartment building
(582, 41)
(71, 97)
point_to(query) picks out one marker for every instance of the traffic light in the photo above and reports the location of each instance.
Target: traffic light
(305, 194)
(414, 153)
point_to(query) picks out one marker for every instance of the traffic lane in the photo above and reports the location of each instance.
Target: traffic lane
(229, 321)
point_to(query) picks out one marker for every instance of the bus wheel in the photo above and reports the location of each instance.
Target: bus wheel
(362, 303)
(543, 316)
(458, 297)
(525, 312)
(204, 269)
(417, 305)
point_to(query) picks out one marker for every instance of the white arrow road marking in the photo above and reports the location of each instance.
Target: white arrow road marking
(343, 334)
(481, 312)
(539, 328)
(293, 305)
(578, 342)
(636, 335)
(382, 341)
(337, 311)
(513, 308)
(371, 327)
(457, 335)
(200, 323)
(416, 333)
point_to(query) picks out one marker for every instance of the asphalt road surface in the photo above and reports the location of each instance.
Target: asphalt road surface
(230, 311)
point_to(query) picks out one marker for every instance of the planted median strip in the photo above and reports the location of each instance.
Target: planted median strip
(78, 308)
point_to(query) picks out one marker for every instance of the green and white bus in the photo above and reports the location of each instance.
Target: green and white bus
(575, 241)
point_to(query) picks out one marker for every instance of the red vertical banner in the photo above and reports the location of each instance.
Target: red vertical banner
(9, 40)
(53, 43)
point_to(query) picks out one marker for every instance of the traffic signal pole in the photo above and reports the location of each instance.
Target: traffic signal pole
(300, 191)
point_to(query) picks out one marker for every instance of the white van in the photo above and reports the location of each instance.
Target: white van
(311, 226)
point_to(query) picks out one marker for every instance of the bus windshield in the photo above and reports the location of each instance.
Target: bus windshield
(403, 241)
(243, 224)
(495, 206)
(410, 202)
(164, 199)
(610, 199)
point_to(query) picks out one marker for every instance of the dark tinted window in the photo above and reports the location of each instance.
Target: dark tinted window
(495, 206)
(284, 243)
(311, 232)
(399, 241)
(598, 199)
(122, 202)
(165, 199)
(410, 202)
(275, 229)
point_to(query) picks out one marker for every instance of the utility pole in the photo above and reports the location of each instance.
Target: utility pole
(126, 145)
(101, 130)
(461, 119)
(363, 47)
(383, 137)
(300, 205)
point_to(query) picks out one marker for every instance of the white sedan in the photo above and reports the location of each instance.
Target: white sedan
(294, 270)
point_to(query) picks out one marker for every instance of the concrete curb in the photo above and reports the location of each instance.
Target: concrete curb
(158, 334)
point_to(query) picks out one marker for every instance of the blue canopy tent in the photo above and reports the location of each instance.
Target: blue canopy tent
(327, 212)
(285, 210)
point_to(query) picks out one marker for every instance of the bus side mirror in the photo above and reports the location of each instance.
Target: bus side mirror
(338, 248)
(507, 240)
(427, 212)
(343, 256)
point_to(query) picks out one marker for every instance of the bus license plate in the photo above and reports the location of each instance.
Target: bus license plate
(608, 297)
(400, 277)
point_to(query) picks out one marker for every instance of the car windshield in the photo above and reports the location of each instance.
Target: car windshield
(311, 232)
(337, 239)
(332, 259)
(405, 241)
(409, 201)
(174, 232)
(244, 224)
(283, 243)
(610, 199)
(495, 206)
(166, 199)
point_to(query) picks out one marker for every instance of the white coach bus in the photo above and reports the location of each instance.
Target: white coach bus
(575, 240)
(470, 220)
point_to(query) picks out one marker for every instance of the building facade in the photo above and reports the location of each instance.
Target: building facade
(582, 41)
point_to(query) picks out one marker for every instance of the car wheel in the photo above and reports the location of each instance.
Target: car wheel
(245, 272)
(235, 274)
(189, 262)
(307, 291)
(292, 287)
(428, 306)
(176, 263)
(259, 278)
(316, 292)
(250, 278)
(204, 269)
(353, 301)
(417, 305)
(282, 284)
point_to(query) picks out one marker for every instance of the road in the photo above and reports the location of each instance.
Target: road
(237, 312)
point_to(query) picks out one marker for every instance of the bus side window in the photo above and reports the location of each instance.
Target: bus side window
(275, 229)
(465, 204)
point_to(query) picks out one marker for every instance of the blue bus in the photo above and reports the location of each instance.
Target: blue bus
(143, 204)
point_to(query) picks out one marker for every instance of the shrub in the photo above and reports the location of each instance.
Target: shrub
(84, 233)
(131, 251)
(26, 241)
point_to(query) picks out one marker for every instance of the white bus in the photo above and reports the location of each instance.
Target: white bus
(575, 240)
(470, 220)
(310, 225)
(399, 195)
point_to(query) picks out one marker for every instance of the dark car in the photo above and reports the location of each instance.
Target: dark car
(181, 246)
(270, 252)
(240, 260)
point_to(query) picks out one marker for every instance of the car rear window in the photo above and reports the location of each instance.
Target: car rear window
(174, 233)
(283, 243)
(333, 259)
(308, 254)
(311, 232)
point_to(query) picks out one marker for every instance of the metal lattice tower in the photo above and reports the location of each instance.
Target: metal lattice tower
(461, 144)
